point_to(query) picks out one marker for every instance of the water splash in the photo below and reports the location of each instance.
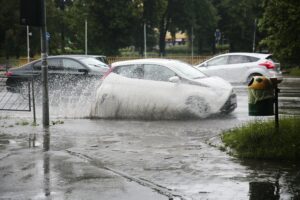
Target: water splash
(120, 97)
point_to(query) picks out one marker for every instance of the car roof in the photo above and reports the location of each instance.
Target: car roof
(259, 55)
(83, 55)
(160, 61)
(77, 57)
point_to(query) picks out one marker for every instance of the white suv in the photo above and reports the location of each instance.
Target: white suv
(241, 67)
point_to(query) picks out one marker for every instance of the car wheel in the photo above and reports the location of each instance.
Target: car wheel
(197, 106)
(251, 76)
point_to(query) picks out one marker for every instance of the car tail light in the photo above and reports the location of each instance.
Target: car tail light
(8, 74)
(106, 74)
(268, 64)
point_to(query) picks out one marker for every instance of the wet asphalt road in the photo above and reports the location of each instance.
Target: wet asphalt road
(120, 159)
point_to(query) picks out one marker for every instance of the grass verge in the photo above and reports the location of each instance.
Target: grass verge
(294, 71)
(260, 140)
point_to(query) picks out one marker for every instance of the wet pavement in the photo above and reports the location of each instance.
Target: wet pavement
(131, 159)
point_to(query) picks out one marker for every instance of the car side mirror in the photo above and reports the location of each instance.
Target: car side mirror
(174, 79)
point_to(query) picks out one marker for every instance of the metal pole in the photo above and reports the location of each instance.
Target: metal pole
(28, 48)
(276, 108)
(254, 36)
(192, 45)
(44, 67)
(33, 101)
(85, 36)
(145, 41)
(276, 91)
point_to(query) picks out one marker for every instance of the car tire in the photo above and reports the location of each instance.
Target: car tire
(197, 106)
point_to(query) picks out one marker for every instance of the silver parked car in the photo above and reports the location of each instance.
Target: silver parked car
(161, 89)
(241, 67)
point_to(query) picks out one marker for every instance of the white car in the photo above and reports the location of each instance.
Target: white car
(160, 89)
(241, 67)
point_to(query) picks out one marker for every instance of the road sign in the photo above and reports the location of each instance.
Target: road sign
(218, 35)
(47, 36)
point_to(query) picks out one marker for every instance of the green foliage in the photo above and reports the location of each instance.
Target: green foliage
(11, 33)
(117, 24)
(259, 139)
(237, 22)
(294, 71)
(281, 22)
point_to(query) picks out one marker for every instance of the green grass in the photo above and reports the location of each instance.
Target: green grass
(260, 140)
(294, 71)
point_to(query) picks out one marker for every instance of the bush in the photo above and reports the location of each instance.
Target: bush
(260, 139)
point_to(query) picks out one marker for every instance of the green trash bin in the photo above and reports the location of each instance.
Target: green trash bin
(261, 96)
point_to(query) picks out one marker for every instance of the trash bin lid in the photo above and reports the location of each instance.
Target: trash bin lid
(260, 83)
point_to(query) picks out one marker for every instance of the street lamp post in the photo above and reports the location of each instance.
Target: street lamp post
(145, 41)
(44, 67)
(85, 34)
(28, 47)
(192, 44)
(254, 35)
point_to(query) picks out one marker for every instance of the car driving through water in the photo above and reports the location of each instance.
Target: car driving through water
(161, 89)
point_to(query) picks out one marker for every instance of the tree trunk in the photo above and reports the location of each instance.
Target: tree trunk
(163, 28)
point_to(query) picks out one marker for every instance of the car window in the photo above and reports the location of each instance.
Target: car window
(187, 70)
(252, 59)
(94, 62)
(102, 59)
(129, 71)
(237, 59)
(72, 65)
(222, 60)
(157, 73)
(53, 64)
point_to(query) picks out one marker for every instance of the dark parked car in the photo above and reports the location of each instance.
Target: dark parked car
(98, 57)
(62, 71)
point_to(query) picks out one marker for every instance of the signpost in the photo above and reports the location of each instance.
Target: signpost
(217, 36)
(33, 13)
(44, 67)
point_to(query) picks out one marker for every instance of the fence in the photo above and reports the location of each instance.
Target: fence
(189, 59)
(15, 99)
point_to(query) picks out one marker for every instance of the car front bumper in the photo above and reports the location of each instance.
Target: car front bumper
(230, 104)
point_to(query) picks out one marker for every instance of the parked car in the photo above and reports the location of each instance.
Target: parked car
(61, 70)
(98, 57)
(241, 67)
(4, 67)
(161, 88)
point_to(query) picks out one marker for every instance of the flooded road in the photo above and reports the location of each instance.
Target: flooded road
(131, 159)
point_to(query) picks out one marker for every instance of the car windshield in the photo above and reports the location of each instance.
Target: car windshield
(94, 62)
(188, 70)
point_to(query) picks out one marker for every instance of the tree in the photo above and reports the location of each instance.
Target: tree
(201, 15)
(12, 35)
(185, 15)
(237, 22)
(149, 13)
(281, 22)
(111, 24)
